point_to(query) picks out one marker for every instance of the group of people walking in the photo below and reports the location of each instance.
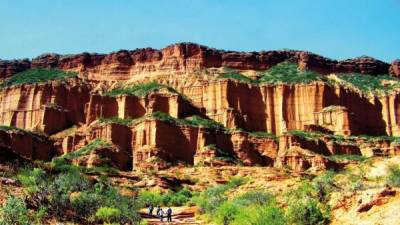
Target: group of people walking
(160, 213)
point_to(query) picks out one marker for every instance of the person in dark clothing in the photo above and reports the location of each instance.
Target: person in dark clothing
(158, 210)
(169, 214)
(150, 210)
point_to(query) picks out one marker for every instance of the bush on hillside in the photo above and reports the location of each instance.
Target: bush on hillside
(14, 211)
(393, 178)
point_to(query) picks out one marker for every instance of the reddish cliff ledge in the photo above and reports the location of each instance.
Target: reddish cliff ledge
(187, 57)
(15, 143)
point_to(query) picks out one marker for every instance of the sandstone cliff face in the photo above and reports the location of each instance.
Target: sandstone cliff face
(395, 68)
(48, 107)
(152, 140)
(10, 67)
(131, 107)
(277, 108)
(184, 58)
(191, 69)
(25, 145)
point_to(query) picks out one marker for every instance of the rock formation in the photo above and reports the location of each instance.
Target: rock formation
(185, 58)
(205, 120)
(16, 144)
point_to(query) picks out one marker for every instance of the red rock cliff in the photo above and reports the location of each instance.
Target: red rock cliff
(187, 57)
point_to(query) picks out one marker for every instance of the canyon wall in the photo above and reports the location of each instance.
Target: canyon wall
(282, 107)
(48, 107)
(188, 57)
(15, 143)
(71, 110)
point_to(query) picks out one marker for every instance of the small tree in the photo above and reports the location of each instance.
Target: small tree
(226, 213)
(108, 214)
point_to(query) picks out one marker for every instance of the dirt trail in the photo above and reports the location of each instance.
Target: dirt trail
(180, 215)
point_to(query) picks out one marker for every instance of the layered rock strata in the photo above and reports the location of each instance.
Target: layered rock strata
(185, 58)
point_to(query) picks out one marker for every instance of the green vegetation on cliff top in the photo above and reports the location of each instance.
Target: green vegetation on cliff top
(194, 121)
(139, 90)
(377, 85)
(33, 76)
(349, 140)
(289, 73)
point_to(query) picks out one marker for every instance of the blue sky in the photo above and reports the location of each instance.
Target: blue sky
(337, 29)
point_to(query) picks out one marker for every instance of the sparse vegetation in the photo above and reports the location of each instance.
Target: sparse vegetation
(117, 120)
(393, 178)
(33, 134)
(63, 162)
(289, 73)
(221, 155)
(237, 76)
(33, 76)
(307, 204)
(209, 200)
(139, 90)
(194, 121)
(346, 157)
(369, 84)
(262, 134)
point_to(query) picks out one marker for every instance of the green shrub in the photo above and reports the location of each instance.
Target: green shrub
(139, 90)
(306, 213)
(304, 207)
(70, 190)
(33, 76)
(31, 178)
(289, 73)
(252, 198)
(40, 214)
(108, 214)
(150, 197)
(324, 184)
(226, 213)
(86, 203)
(260, 215)
(209, 200)
(394, 175)
(168, 199)
(14, 212)
(236, 181)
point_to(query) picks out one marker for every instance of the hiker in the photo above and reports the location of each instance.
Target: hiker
(169, 214)
(150, 210)
(161, 215)
(158, 210)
